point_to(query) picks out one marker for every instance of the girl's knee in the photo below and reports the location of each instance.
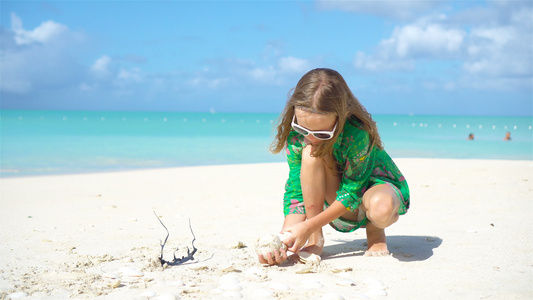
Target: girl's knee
(382, 209)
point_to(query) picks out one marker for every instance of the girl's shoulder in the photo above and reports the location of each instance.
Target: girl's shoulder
(353, 128)
(353, 137)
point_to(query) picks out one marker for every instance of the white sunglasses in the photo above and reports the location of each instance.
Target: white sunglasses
(321, 134)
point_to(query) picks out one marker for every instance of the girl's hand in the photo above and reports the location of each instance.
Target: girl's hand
(300, 233)
(279, 257)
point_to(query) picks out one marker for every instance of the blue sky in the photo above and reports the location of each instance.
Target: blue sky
(399, 57)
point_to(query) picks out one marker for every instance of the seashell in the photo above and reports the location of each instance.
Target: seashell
(198, 267)
(340, 269)
(373, 292)
(231, 286)
(309, 258)
(115, 284)
(332, 296)
(130, 272)
(148, 294)
(230, 269)
(305, 270)
(110, 275)
(270, 242)
(17, 295)
(279, 286)
(284, 235)
(228, 277)
(239, 245)
(128, 259)
(344, 282)
(373, 283)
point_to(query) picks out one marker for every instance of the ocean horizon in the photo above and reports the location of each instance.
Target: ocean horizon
(48, 142)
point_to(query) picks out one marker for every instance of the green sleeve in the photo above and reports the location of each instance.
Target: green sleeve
(358, 164)
(293, 202)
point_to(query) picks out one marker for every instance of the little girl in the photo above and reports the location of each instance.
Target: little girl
(339, 172)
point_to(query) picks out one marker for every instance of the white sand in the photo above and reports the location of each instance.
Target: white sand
(466, 236)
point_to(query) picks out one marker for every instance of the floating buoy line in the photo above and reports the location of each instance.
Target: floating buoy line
(258, 121)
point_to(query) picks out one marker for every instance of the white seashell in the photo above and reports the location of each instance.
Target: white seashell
(262, 293)
(229, 269)
(279, 286)
(332, 296)
(309, 258)
(373, 292)
(128, 260)
(17, 295)
(268, 243)
(110, 275)
(373, 283)
(341, 269)
(284, 235)
(230, 286)
(148, 294)
(305, 270)
(229, 282)
(345, 282)
(228, 278)
(130, 272)
(254, 273)
(198, 267)
(115, 284)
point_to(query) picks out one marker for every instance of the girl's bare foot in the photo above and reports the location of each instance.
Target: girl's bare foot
(315, 244)
(377, 241)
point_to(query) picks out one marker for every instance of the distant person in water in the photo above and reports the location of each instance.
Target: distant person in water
(507, 136)
(470, 137)
(339, 172)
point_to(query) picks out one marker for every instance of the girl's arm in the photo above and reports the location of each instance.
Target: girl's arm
(302, 231)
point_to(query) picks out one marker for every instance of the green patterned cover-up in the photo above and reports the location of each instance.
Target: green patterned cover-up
(362, 167)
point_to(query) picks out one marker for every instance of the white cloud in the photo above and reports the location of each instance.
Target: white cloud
(499, 52)
(133, 75)
(44, 33)
(268, 74)
(433, 40)
(101, 65)
(38, 59)
(425, 39)
(293, 65)
(395, 9)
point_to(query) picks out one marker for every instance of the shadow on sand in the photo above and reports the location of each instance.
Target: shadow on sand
(404, 248)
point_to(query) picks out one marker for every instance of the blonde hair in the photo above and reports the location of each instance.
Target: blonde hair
(324, 91)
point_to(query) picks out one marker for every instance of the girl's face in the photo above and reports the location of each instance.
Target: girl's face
(315, 122)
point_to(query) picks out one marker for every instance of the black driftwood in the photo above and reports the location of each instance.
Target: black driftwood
(176, 261)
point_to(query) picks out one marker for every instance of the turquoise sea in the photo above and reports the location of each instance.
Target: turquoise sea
(66, 142)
